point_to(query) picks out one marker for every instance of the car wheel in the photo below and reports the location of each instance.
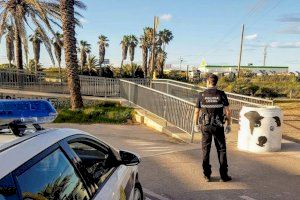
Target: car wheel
(138, 192)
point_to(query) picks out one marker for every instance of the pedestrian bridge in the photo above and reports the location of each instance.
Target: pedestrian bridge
(170, 100)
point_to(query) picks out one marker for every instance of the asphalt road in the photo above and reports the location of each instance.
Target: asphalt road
(172, 170)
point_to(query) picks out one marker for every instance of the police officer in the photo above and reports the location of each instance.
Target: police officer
(209, 118)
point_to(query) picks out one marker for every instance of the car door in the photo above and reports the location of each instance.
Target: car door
(8, 190)
(112, 181)
(50, 175)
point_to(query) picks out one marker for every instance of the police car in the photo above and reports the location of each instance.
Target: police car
(56, 164)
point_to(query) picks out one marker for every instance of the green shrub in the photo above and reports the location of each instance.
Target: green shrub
(267, 86)
(267, 92)
(106, 112)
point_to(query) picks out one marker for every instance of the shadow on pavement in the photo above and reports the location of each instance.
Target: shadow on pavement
(255, 176)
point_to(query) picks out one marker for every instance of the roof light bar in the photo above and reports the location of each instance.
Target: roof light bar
(26, 112)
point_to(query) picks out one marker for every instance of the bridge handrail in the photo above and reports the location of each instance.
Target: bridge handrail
(202, 88)
(159, 92)
(174, 110)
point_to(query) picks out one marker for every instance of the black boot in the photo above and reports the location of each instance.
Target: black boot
(225, 178)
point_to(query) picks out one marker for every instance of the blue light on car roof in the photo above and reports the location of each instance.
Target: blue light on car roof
(27, 111)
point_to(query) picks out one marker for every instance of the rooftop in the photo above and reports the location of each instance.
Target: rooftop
(254, 67)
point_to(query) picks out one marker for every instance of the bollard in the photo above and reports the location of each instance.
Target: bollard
(260, 129)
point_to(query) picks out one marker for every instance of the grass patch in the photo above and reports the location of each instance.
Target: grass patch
(104, 112)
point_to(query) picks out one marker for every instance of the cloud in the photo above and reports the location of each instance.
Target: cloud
(281, 45)
(292, 29)
(83, 20)
(290, 18)
(166, 17)
(286, 45)
(251, 37)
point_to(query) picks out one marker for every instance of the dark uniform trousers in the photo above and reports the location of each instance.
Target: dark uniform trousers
(208, 132)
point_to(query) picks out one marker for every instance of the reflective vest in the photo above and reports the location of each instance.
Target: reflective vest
(212, 107)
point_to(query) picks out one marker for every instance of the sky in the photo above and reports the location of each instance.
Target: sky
(202, 29)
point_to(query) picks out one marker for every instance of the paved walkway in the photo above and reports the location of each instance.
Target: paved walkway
(171, 170)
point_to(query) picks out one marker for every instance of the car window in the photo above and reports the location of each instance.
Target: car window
(96, 160)
(52, 178)
(7, 188)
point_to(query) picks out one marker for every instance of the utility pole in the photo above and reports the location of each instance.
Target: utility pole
(187, 73)
(241, 50)
(155, 24)
(265, 55)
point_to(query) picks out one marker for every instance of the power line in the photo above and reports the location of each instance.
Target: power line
(251, 25)
(241, 50)
(233, 28)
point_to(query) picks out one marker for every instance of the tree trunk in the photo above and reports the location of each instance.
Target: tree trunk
(68, 26)
(18, 50)
(145, 58)
(121, 69)
(100, 70)
(9, 49)
(132, 70)
(36, 52)
(57, 51)
(149, 64)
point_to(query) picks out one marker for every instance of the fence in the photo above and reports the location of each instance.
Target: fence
(90, 85)
(172, 100)
(190, 93)
(177, 111)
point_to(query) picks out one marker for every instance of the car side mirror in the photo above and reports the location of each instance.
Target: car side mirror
(128, 158)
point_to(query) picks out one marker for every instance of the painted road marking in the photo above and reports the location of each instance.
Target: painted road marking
(246, 198)
(152, 194)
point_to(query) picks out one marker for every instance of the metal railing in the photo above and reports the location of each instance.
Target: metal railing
(40, 82)
(190, 93)
(171, 100)
(175, 110)
(179, 89)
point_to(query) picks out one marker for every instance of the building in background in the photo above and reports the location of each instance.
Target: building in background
(255, 69)
(205, 68)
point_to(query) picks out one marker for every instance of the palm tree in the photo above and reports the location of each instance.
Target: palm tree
(148, 32)
(102, 42)
(37, 38)
(144, 47)
(57, 42)
(125, 45)
(165, 36)
(36, 45)
(84, 49)
(10, 44)
(30, 65)
(160, 62)
(145, 42)
(20, 13)
(68, 26)
(133, 42)
(92, 63)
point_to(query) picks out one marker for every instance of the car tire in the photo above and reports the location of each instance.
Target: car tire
(138, 192)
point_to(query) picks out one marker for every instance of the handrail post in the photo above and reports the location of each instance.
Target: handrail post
(129, 94)
(168, 87)
(105, 88)
(193, 131)
(165, 107)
